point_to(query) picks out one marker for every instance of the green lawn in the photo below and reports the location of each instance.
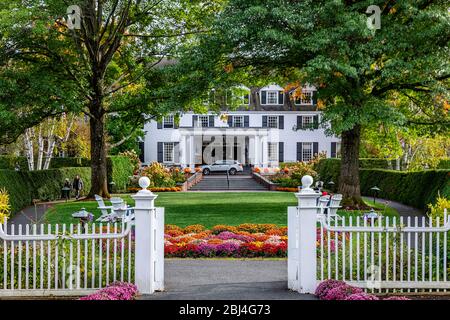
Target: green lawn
(206, 208)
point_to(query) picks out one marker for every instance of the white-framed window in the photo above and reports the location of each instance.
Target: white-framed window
(203, 121)
(168, 152)
(307, 151)
(238, 121)
(272, 151)
(168, 122)
(307, 121)
(305, 98)
(272, 121)
(272, 97)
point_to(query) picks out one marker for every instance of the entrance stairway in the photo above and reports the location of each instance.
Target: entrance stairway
(219, 183)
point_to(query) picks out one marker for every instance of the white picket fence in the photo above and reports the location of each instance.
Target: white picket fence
(403, 255)
(72, 260)
(64, 260)
(379, 255)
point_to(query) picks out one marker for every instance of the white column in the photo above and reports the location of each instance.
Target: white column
(192, 151)
(256, 151)
(306, 221)
(264, 150)
(146, 233)
(183, 151)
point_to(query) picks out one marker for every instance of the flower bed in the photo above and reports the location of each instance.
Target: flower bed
(163, 189)
(339, 290)
(287, 189)
(114, 291)
(245, 240)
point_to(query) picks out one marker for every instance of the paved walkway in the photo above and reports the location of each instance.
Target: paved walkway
(201, 279)
(403, 210)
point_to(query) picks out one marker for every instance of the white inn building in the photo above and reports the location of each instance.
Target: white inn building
(270, 127)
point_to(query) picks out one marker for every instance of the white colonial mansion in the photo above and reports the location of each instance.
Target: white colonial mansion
(270, 127)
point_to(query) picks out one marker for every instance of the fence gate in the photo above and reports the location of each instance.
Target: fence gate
(74, 260)
(384, 254)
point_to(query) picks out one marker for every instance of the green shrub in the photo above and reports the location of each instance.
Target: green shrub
(411, 188)
(416, 189)
(69, 163)
(18, 187)
(120, 169)
(24, 186)
(444, 164)
(9, 162)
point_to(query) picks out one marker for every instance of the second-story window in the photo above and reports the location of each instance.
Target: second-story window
(307, 121)
(203, 121)
(238, 121)
(168, 122)
(272, 121)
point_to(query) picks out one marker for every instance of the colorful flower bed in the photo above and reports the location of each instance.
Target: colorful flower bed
(114, 291)
(245, 240)
(339, 290)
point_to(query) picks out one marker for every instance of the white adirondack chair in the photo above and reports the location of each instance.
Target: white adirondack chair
(322, 203)
(335, 201)
(104, 209)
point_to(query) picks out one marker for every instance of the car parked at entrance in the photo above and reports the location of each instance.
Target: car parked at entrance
(232, 166)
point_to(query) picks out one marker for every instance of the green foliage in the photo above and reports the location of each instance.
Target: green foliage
(416, 189)
(436, 210)
(10, 162)
(160, 176)
(411, 188)
(24, 186)
(134, 159)
(69, 162)
(120, 169)
(444, 164)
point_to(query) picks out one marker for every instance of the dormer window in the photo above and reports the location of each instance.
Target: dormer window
(168, 122)
(272, 95)
(305, 98)
(237, 96)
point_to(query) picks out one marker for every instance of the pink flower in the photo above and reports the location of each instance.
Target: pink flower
(114, 291)
(323, 288)
(341, 292)
(397, 298)
(362, 296)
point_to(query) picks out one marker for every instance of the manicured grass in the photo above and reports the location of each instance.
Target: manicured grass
(206, 208)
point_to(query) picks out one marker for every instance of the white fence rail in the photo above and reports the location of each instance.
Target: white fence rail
(384, 254)
(43, 260)
(392, 253)
(64, 259)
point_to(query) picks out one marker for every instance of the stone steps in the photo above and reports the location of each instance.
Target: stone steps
(217, 183)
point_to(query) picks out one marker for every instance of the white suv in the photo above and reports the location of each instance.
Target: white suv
(232, 166)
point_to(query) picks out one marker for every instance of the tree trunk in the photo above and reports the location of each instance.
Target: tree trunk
(98, 156)
(349, 185)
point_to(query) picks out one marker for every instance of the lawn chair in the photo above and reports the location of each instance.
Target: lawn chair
(332, 209)
(322, 203)
(106, 216)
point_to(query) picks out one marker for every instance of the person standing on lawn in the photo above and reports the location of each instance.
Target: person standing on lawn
(77, 186)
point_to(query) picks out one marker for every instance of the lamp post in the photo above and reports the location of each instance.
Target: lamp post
(331, 184)
(375, 189)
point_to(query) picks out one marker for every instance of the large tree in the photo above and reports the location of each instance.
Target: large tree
(361, 73)
(48, 66)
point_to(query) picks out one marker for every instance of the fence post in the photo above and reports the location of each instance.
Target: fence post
(306, 224)
(145, 231)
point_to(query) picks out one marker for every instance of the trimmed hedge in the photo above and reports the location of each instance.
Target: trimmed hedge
(444, 164)
(24, 186)
(18, 187)
(9, 162)
(416, 189)
(119, 171)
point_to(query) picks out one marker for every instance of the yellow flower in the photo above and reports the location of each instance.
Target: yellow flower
(4, 205)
